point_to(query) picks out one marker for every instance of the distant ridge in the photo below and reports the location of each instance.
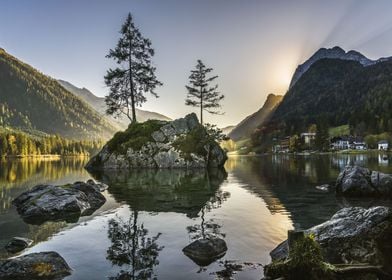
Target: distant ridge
(32, 101)
(246, 127)
(98, 103)
(333, 53)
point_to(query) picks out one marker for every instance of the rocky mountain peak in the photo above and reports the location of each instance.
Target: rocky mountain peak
(332, 53)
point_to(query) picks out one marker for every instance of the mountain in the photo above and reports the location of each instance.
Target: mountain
(98, 103)
(339, 92)
(332, 53)
(32, 101)
(227, 129)
(246, 127)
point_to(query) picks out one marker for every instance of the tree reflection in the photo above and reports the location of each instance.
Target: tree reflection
(209, 228)
(133, 248)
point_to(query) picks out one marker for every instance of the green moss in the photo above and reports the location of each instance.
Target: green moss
(135, 136)
(193, 142)
(305, 261)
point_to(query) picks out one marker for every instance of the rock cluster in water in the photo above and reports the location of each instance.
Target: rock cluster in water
(48, 202)
(360, 181)
(161, 148)
(352, 235)
(205, 251)
(43, 265)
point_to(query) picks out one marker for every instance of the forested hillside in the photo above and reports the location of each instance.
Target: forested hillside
(339, 92)
(98, 103)
(30, 100)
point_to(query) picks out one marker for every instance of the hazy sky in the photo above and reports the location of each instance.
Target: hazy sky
(254, 46)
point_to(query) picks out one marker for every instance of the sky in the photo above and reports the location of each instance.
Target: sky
(253, 46)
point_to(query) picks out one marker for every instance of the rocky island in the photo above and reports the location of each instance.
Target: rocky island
(182, 143)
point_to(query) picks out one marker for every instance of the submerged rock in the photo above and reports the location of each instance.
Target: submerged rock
(205, 251)
(48, 202)
(324, 187)
(18, 244)
(182, 143)
(360, 181)
(352, 235)
(44, 265)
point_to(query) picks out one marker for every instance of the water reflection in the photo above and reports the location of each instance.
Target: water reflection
(132, 249)
(19, 175)
(287, 183)
(181, 191)
(150, 215)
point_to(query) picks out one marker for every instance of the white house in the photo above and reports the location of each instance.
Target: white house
(308, 137)
(358, 144)
(341, 143)
(383, 145)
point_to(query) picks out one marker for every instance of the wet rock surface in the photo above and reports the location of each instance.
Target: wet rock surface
(352, 235)
(205, 251)
(18, 244)
(66, 202)
(43, 265)
(359, 181)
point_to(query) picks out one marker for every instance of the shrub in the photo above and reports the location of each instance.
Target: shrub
(135, 136)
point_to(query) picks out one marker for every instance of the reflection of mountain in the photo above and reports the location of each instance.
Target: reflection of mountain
(287, 184)
(182, 191)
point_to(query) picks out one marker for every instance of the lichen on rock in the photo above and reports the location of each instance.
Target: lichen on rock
(182, 143)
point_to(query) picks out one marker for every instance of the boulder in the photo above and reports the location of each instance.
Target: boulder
(352, 235)
(157, 144)
(360, 181)
(67, 202)
(43, 265)
(205, 251)
(18, 244)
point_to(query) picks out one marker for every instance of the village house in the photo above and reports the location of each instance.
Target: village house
(383, 145)
(357, 143)
(282, 146)
(308, 137)
(340, 143)
(348, 142)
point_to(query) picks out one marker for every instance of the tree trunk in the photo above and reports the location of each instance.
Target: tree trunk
(131, 80)
(201, 105)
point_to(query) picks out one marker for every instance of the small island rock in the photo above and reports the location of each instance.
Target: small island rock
(182, 143)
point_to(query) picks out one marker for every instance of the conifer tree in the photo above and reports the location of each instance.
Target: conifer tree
(200, 91)
(134, 76)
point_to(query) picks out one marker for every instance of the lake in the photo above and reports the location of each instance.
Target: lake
(150, 216)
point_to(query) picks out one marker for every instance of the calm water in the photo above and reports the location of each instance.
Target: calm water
(150, 216)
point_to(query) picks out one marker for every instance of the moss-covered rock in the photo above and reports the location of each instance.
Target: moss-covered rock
(182, 143)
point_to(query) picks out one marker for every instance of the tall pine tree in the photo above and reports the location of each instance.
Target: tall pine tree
(135, 74)
(201, 93)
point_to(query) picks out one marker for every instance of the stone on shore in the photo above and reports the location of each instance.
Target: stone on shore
(352, 235)
(43, 265)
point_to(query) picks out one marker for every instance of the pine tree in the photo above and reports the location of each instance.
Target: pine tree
(135, 74)
(322, 136)
(201, 93)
